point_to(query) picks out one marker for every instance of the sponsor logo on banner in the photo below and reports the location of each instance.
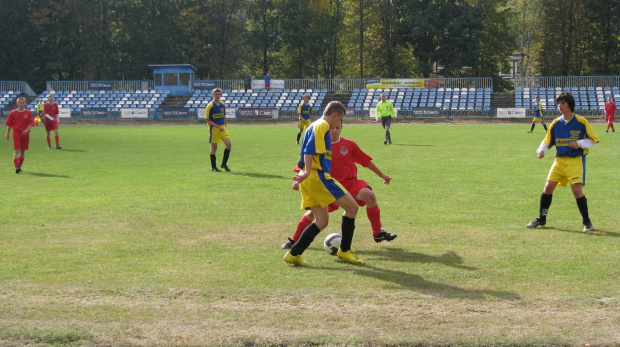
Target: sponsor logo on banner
(258, 113)
(231, 112)
(94, 113)
(350, 112)
(513, 112)
(373, 112)
(174, 113)
(134, 113)
(402, 83)
(425, 112)
(100, 85)
(203, 84)
(275, 84)
(64, 112)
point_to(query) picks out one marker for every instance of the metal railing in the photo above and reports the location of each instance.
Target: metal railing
(566, 81)
(21, 86)
(85, 85)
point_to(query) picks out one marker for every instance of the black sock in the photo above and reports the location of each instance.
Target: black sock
(533, 125)
(388, 136)
(545, 203)
(298, 136)
(213, 161)
(347, 229)
(226, 155)
(582, 203)
(306, 238)
(544, 126)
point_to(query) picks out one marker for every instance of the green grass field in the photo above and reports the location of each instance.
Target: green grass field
(126, 237)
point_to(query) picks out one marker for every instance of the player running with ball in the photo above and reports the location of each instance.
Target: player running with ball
(345, 155)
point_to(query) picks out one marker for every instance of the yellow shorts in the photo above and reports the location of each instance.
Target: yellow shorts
(320, 189)
(568, 170)
(215, 135)
(537, 120)
(304, 124)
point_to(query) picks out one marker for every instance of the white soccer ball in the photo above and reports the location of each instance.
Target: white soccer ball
(332, 243)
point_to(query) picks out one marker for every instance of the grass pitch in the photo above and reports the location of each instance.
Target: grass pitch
(126, 237)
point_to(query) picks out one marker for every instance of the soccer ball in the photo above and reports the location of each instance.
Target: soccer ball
(332, 243)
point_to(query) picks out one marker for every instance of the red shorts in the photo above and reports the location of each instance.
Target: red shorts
(50, 125)
(20, 141)
(354, 187)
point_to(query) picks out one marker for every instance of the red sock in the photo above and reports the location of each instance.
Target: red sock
(21, 161)
(57, 141)
(374, 216)
(49, 143)
(16, 162)
(303, 224)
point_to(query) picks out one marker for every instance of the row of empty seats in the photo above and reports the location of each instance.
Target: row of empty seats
(477, 99)
(284, 99)
(107, 99)
(7, 98)
(586, 98)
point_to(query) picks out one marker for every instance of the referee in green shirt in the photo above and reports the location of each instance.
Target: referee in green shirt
(385, 110)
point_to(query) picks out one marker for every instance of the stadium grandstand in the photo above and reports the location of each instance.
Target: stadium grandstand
(440, 97)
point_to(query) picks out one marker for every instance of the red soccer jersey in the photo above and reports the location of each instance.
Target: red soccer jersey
(51, 109)
(19, 121)
(610, 111)
(345, 154)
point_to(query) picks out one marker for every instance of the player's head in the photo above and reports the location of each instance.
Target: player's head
(537, 99)
(568, 98)
(334, 110)
(335, 130)
(610, 99)
(383, 96)
(217, 94)
(305, 98)
(21, 102)
(50, 98)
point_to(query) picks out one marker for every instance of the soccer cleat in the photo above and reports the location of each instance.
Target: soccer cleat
(349, 256)
(48, 147)
(58, 147)
(225, 167)
(18, 170)
(537, 222)
(385, 142)
(214, 169)
(294, 259)
(384, 236)
(587, 226)
(288, 244)
(389, 142)
(297, 142)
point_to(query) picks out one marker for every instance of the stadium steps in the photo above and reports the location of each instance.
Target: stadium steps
(175, 101)
(331, 96)
(502, 100)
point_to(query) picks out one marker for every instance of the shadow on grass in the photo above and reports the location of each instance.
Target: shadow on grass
(596, 232)
(74, 150)
(40, 174)
(410, 145)
(449, 258)
(418, 284)
(258, 175)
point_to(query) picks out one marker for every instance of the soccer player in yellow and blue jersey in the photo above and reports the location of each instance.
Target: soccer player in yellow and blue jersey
(215, 114)
(319, 190)
(303, 112)
(538, 116)
(572, 136)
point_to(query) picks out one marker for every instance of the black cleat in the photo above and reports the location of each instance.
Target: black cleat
(225, 167)
(385, 142)
(18, 170)
(58, 147)
(215, 169)
(537, 222)
(587, 226)
(384, 236)
(288, 244)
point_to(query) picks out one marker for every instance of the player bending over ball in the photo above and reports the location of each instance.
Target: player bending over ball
(318, 189)
(345, 155)
(21, 121)
(571, 135)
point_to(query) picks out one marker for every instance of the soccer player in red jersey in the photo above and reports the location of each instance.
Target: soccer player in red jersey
(610, 114)
(21, 121)
(345, 155)
(50, 118)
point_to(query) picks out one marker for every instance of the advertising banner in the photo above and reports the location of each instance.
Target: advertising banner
(375, 83)
(134, 113)
(64, 112)
(351, 112)
(100, 85)
(425, 112)
(275, 84)
(174, 113)
(94, 113)
(203, 84)
(514, 112)
(373, 111)
(231, 113)
(258, 113)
